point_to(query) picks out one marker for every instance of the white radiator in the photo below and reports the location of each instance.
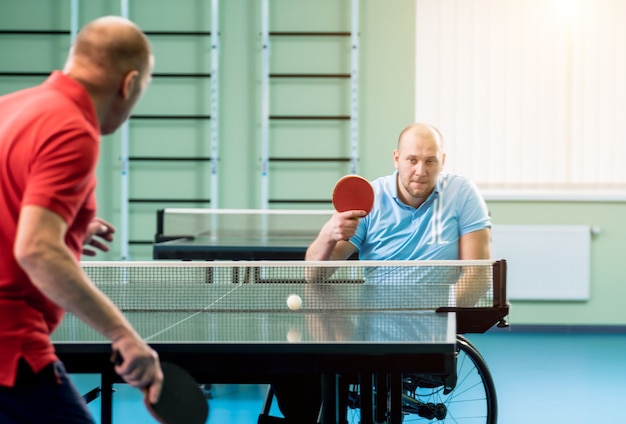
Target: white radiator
(544, 262)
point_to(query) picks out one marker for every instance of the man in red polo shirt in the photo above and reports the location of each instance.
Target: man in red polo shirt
(49, 145)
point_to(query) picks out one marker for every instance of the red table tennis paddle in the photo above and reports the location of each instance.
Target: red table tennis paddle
(353, 192)
(181, 400)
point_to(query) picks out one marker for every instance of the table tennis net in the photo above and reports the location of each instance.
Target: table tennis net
(265, 286)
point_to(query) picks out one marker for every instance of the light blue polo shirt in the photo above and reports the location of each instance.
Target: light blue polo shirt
(396, 231)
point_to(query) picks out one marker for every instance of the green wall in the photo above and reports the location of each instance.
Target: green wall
(386, 105)
(608, 278)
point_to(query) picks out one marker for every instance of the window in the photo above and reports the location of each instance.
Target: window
(529, 94)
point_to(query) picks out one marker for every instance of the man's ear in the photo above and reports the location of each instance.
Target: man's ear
(131, 79)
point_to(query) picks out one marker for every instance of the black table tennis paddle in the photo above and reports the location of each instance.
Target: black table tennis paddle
(181, 400)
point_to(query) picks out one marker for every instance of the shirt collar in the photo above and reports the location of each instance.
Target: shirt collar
(76, 92)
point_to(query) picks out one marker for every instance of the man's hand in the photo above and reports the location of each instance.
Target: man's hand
(332, 241)
(102, 230)
(140, 366)
(342, 225)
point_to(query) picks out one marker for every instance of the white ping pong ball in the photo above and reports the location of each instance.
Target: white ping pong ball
(294, 335)
(294, 302)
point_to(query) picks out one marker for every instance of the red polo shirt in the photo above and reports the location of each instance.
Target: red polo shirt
(49, 142)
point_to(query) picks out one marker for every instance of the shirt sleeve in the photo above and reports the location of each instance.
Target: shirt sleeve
(473, 213)
(61, 173)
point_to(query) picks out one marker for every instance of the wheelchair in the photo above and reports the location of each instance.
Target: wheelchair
(467, 396)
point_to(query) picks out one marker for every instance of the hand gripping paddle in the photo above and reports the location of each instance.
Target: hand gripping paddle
(353, 192)
(181, 400)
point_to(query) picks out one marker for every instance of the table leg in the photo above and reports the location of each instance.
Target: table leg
(395, 394)
(106, 398)
(366, 386)
(330, 400)
(381, 398)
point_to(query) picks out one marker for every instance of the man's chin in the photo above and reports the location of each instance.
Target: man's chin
(420, 188)
(420, 192)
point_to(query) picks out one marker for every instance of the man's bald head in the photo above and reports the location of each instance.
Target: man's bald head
(113, 45)
(422, 130)
(111, 57)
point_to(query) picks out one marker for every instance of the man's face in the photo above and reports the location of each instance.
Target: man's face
(419, 160)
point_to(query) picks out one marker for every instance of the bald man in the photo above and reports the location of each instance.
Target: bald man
(49, 145)
(419, 213)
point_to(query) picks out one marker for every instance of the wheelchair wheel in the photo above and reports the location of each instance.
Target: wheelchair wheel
(469, 400)
(469, 397)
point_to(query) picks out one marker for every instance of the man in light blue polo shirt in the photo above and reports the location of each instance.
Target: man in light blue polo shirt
(395, 230)
(419, 213)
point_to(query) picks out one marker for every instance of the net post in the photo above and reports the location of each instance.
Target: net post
(499, 283)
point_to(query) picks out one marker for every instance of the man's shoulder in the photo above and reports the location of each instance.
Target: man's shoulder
(385, 181)
(23, 95)
(459, 187)
(453, 176)
(454, 181)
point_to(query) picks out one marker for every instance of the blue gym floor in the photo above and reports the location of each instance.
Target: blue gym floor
(541, 377)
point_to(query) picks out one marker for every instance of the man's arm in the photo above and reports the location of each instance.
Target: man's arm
(41, 252)
(332, 243)
(475, 281)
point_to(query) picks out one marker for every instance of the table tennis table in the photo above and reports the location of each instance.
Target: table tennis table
(235, 234)
(225, 328)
